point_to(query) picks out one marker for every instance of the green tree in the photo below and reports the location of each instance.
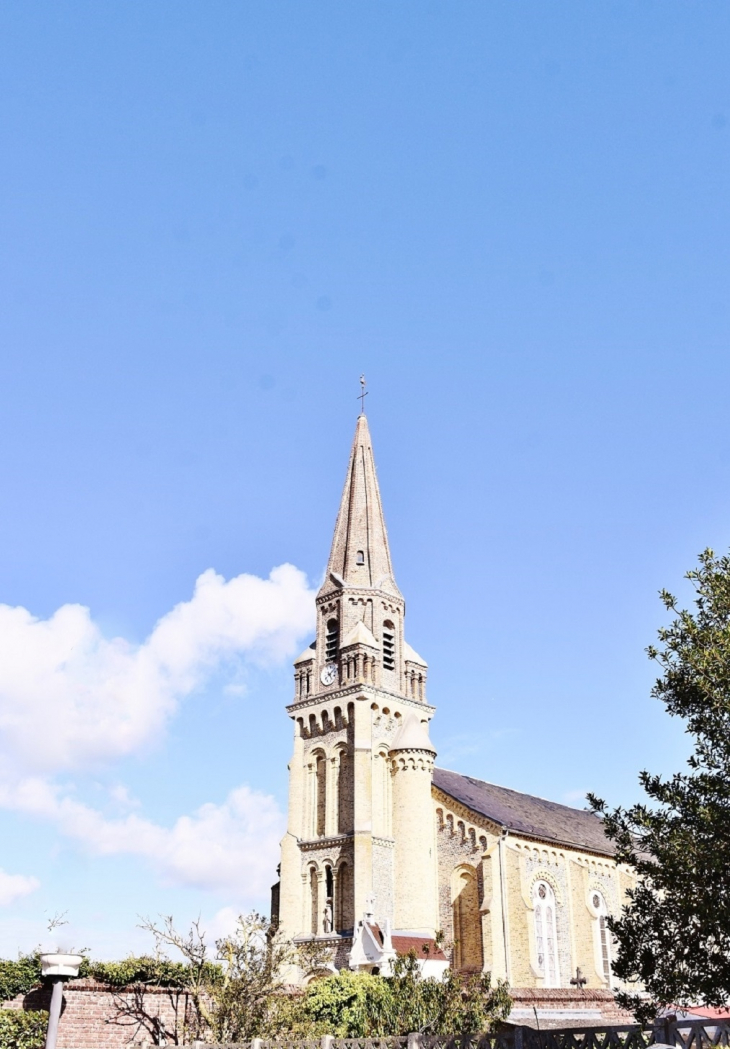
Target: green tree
(673, 936)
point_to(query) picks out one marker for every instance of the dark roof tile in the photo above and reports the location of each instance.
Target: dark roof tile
(525, 814)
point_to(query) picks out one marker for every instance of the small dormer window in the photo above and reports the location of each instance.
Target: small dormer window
(360, 558)
(388, 645)
(332, 640)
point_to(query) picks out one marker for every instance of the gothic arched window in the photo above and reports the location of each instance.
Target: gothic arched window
(388, 645)
(546, 938)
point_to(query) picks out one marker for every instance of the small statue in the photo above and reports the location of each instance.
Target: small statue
(328, 917)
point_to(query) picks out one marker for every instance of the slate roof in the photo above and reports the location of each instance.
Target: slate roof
(525, 814)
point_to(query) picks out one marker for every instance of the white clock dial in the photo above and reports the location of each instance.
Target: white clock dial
(329, 674)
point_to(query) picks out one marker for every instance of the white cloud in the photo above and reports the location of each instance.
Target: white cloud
(69, 697)
(231, 847)
(13, 886)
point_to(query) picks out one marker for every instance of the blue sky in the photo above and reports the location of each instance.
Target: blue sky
(513, 217)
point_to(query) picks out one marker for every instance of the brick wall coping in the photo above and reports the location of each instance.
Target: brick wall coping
(560, 994)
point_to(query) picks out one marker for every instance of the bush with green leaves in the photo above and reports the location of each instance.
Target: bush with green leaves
(19, 976)
(19, 1030)
(357, 1005)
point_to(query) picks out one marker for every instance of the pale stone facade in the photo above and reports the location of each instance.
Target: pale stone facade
(379, 843)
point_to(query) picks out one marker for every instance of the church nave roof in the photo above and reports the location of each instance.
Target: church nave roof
(525, 814)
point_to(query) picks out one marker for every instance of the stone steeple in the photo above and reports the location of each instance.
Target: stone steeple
(360, 809)
(360, 555)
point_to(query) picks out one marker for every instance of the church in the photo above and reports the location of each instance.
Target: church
(384, 850)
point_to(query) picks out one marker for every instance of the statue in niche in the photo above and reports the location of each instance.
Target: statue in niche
(327, 924)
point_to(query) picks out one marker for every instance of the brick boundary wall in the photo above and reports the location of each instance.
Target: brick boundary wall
(96, 1016)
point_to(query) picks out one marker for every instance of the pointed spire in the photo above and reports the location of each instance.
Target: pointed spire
(360, 555)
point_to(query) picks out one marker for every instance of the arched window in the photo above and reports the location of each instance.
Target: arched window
(320, 800)
(345, 792)
(360, 558)
(603, 936)
(546, 937)
(467, 919)
(332, 640)
(343, 918)
(329, 903)
(388, 645)
(314, 895)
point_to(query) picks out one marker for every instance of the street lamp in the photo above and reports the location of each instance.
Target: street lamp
(58, 967)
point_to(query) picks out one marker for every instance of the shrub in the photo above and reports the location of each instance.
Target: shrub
(20, 976)
(357, 1005)
(19, 1030)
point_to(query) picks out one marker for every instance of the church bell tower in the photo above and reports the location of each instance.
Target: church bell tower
(361, 834)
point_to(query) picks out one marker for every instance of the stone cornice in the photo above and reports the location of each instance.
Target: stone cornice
(479, 820)
(366, 691)
(357, 591)
(324, 843)
(462, 812)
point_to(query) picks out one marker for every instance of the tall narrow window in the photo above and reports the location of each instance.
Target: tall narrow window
(467, 919)
(321, 795)
(328, 923)
(332, 640)
(360, 558)
(314, 896)
(546, 938)
(604, 936)
(344, 919)
(388, 645)
(345, 793)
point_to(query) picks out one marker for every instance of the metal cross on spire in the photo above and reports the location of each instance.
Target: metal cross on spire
(362, 395)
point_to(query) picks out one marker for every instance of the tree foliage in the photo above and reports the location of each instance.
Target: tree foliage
(673, 937)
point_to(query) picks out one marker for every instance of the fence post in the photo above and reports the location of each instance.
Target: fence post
(661, 1031)
(256, 1043)
(414, 1040)
(326, 1041)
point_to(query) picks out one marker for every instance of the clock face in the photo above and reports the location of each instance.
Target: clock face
(329, 674)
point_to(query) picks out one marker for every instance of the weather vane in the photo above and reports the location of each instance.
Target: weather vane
(362, 395)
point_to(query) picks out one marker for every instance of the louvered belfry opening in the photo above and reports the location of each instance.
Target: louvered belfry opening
(332, 640)
(388, 645)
